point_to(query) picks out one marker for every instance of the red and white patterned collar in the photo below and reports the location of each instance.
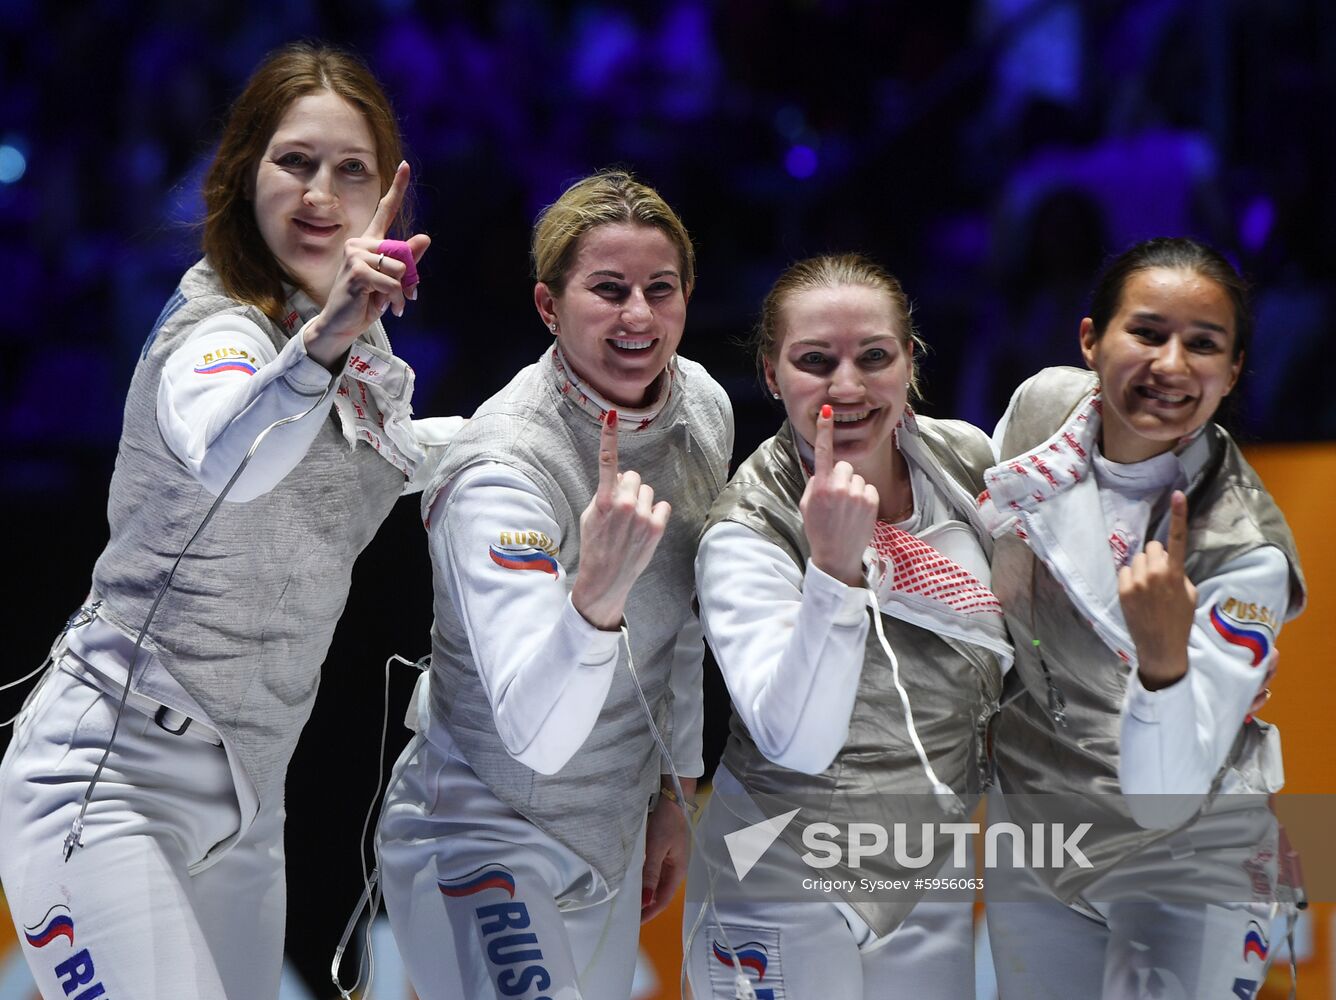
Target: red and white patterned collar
(915, 567)
(1065, 459)
(588, 399)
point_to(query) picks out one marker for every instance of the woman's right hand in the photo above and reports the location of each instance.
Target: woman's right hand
(619, 532)
(367, 284)
(1159, 602)
(839, 509)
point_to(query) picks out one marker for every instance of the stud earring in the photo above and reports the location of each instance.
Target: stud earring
(774, 395)
(552, 325)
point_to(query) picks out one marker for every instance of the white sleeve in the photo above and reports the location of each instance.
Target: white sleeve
(685, 680)
(1175, 740)
(545, 669)
(790, 645)
(434, 434)
(223, 386)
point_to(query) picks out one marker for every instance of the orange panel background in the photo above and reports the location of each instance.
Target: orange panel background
(1302, 478)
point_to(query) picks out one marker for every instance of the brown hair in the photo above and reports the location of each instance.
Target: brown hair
(834, 271)
(232, 241)
(609, 196)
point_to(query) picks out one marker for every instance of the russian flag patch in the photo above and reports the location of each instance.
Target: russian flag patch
(522, 558)
(1251, 636)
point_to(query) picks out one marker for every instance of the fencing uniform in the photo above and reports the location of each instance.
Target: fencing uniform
(528, 786)
(1181, 888)
(229, 668)
(818, 726)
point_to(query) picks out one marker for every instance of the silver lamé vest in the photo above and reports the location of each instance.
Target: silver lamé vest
(1229, 514)
(248, 619)
(954, 688)
(595, 805)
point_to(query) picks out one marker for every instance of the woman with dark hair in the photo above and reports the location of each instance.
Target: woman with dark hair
(533, 823)
(1145, 573)
(266, 436)
(844, 590)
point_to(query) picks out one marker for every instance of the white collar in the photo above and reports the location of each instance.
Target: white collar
(589, 399)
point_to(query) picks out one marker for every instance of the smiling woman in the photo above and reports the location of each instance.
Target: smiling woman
(315, 187)
(841, 579)
(619, 315)
(185, 681)
(1145, 573)
(848, 350)
(1166, 360)
(563, 585)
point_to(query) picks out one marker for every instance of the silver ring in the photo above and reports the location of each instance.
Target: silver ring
(380, 260)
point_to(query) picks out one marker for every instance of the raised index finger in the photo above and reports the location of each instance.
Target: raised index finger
(1178, 530)
(824, 444)
(389, 205)
(607, 458)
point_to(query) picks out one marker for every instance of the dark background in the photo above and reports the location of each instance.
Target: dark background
(990, 153)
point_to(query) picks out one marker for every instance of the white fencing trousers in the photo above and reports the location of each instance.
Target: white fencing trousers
(1126, 949)
(135, 912)
(791, 949)
(485, 904)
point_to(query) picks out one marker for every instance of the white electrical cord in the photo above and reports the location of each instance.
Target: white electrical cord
(742, 987)
(939, 787)
(371, 895)
(81, 617)
(74, 839)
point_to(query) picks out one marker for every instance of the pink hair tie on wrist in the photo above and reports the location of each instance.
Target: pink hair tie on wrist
(401, 252)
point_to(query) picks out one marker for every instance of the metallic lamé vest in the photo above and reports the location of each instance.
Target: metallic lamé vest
(1229, 514)
(595, 805)
(252, 608)
(953, 686)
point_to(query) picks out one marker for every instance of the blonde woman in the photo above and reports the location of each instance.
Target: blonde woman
(525, 839)
(844, 591)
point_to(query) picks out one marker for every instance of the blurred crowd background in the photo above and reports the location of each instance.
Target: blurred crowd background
(991, 153)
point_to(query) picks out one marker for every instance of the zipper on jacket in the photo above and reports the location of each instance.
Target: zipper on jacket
(1057, 704)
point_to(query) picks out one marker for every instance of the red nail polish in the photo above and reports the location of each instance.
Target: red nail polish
(612, 417)
(826, 411)
(646, 897)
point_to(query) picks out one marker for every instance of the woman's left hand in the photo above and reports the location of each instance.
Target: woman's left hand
(1159, 602)
(667, 848)
(368, 282)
